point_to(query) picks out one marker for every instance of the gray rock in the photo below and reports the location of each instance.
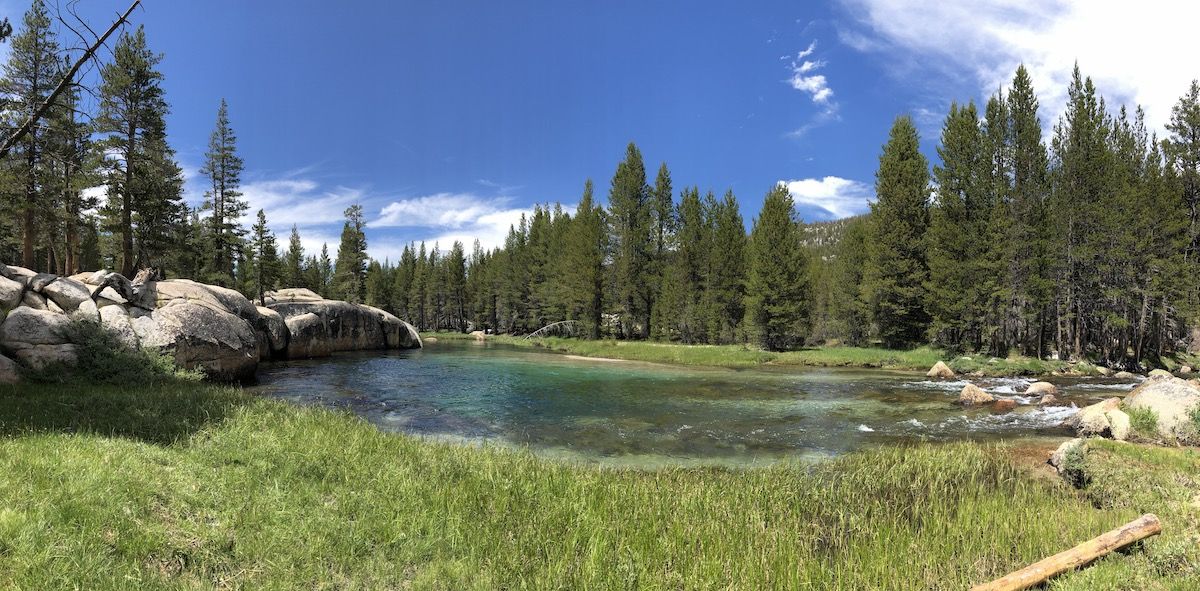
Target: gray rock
(19, 274)
(1156, 374)
(40, 357)
(32, 299)
(200, 335)
(272, 333)
(25, 327)
(1172, 399)
(320, 327)
(161, 293)
(41, 280)
(1041, 388)
(67, 293)
(10, 293)
(87, 310)
(116, 320)
(1124, 375)
(9, 373)
(1097, 419)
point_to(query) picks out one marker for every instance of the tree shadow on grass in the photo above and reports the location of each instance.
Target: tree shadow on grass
(161, 412)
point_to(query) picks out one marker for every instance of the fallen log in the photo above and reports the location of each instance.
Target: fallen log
(1038, 572)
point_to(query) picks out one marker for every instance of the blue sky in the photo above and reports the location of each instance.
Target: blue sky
(447, 120)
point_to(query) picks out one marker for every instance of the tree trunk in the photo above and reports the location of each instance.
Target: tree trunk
(1081, 555)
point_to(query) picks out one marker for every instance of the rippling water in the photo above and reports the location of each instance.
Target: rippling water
(646, 414)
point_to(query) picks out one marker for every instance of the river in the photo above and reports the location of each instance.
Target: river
(639, 414)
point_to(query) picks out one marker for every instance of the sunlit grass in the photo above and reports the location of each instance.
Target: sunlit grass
(189, 486)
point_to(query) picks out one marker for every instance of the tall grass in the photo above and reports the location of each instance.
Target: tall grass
(253, 493)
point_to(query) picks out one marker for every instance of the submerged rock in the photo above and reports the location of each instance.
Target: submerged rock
(972, 394)
(1047, 400)
(1041, 388)
(1003, 405)
(940, 370)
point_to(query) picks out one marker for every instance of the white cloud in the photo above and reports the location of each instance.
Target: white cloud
(806, 79)
(296, 201)
(447, 217)
(1133, 54)
(451, 210)
(838, 196)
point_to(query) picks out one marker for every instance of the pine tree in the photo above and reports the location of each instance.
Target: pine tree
(351, 267)
(223, 167)
(131, 116)
(725, 286)
(896, 273)
(585, 251)
(777, 288)
(1182, 152)
(456, 286)
(30, 75)
(265, 262)
(1029, 232)
(953, 235)
(293, 261)
(73, 165)
(323, 276)
(629, 215)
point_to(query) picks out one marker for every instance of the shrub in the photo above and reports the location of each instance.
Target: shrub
(103, 358)
(1074, 467)
(1144, 422)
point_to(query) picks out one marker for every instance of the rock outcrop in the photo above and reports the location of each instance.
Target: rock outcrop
(318, 327)
(1173, 400)
(203, 326)
(940, 370)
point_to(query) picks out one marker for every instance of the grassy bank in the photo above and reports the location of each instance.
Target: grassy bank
(188, 485)
(740, 356)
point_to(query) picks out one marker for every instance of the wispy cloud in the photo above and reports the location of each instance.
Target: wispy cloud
(806, 79)
(1130, 53)
(830, 197)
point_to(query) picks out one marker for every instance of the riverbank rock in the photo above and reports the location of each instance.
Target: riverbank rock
(1059, 459)
(1040, 389)
(479, 335)
(972, 394)
(940, 370)
(9, 374)
(1103, 419)
(318, 327)
(1157, 374)
(1173, 400)
(207, 327)
(1185, 369)
(1103, 371)
(1124, 375)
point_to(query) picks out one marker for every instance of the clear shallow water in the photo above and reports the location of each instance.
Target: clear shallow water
(647, 414)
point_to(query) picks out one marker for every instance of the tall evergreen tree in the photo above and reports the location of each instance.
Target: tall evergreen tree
(223, 167)
(131, 119)
(30, 74)
(1030, 264)
(629, 215)
(264, 269)
(777, 288)
(585, 251)
(293, 261)
(725, 286)
(896, 274)
(351, 267)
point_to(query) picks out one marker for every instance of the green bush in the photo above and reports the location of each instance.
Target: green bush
(1144, 422)
(103, 358)
(1074, 468)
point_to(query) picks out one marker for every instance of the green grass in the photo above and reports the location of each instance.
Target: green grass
(185, 485)
(741, 356)
(1144, 422)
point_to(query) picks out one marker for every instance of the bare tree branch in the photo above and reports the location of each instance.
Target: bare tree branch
(11, 140)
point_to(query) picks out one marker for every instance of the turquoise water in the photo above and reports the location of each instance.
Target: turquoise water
(648, 414)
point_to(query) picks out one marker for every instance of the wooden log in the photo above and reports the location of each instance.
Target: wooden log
(1038, 572)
